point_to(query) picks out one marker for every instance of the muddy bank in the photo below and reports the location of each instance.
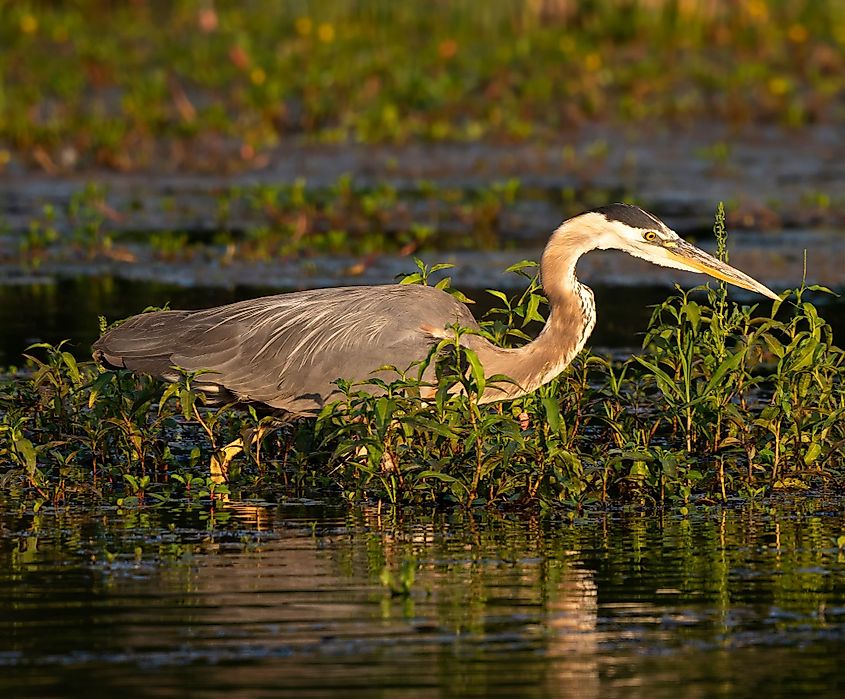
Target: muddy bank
(769, 177)
(776, 258)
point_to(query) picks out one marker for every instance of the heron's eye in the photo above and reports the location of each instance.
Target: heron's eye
(650, 236)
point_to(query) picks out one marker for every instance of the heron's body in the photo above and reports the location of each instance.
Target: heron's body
(290, 348)
(286, 351)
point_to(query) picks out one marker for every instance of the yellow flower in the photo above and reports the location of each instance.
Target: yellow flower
(29, 24)
(303, 25)
(592, 62)
(326, 33)
(257, 76)
(758, 10)
(779, 86)
(797, 33)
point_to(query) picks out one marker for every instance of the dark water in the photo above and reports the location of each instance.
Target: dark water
(289, 601)
(69, 308)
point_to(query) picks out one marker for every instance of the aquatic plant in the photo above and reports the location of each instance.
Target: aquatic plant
(692, 416)
(268, 221)
(724, 400)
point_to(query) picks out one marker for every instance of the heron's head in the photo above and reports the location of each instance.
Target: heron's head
(639, 233)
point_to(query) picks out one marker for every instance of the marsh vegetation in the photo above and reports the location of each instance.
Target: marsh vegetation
(202, 86)
(663, 517)
(721, 402)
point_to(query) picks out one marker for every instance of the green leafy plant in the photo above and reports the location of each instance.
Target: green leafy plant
(725, 400)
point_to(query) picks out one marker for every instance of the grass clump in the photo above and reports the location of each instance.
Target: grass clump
(263, 222)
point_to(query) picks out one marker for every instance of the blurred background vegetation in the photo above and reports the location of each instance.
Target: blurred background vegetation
(193, 84)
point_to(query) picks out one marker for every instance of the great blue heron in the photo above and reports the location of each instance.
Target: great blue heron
(286, 351)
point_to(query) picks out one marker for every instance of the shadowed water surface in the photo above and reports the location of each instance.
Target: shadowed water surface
(293, 600)
(68, 309)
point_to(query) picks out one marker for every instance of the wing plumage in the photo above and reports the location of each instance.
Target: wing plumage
(286, 350)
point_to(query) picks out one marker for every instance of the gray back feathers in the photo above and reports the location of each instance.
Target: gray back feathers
(286, 350)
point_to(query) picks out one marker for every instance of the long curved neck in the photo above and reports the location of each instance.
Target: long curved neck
(571, 319)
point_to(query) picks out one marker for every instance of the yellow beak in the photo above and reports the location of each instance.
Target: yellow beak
(691, 258)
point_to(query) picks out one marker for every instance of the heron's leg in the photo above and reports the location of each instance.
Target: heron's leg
(222, 458)
(255, 436)
(388, 463)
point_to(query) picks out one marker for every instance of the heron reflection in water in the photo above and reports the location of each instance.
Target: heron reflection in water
(286, 351)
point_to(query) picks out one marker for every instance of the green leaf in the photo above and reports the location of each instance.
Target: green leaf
(773, 344)
(516, 332)
(813, 452)
(552, 410)
(531, 310)
(97, 385)
(187, 397)
(729, 364)
(803, 357)
(499, 295)
(39, 345)
(384, 410)
(639, 470)
(637, 455)
(477, 371)
(791, 483)
(665, 382)
(823, 289)
(693, 313)
(439, 266)
(669, 465)
(26, 452)
(460, 296)
(521, 265)
(73, 369)
(169, 392)
(438, 475)
(432, 426)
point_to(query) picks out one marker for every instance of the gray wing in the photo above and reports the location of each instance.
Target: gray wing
(286, 350)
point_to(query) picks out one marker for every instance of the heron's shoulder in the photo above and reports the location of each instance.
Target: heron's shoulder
(427, 302)
(350, 305)
(409, 306)
(374, 294)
